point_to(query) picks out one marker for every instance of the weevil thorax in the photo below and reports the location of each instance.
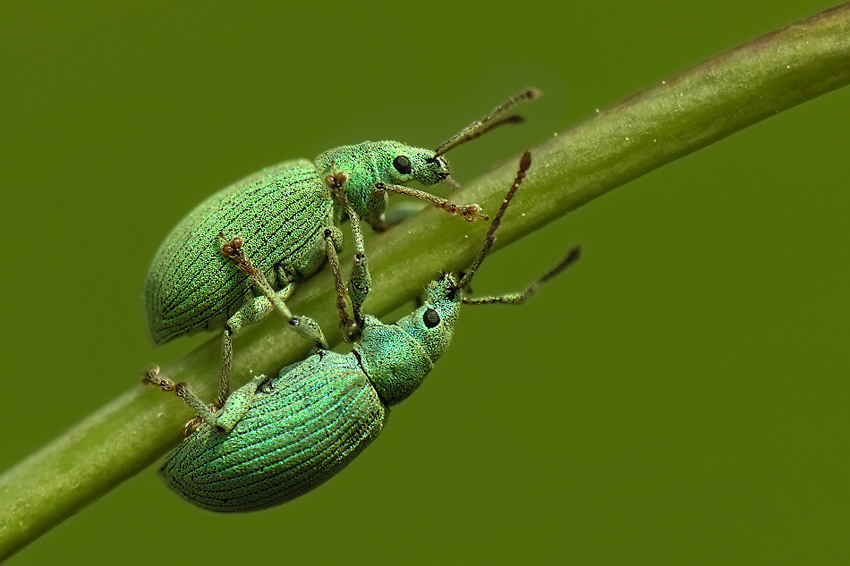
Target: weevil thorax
(389, 162)
(397, 357)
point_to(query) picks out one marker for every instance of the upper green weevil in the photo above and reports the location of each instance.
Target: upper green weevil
(278, 437)
(289, 216)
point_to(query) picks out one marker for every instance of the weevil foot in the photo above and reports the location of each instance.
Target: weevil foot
(468, 212)
(152, 377)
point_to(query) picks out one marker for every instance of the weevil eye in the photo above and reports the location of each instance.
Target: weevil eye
(402, 165)
(430, 318)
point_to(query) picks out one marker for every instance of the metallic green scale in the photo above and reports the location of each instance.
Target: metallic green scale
(282, 210)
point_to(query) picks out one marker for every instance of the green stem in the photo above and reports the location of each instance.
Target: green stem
(677, 116)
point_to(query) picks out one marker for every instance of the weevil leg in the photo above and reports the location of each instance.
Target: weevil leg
(226, 362)
(333, 242)
(238, 404)
(360, 282)
(359, 285)
(303, 325)
(231, 413)
(251, 312)
(182, 390)
(399, 212)
(469, 212)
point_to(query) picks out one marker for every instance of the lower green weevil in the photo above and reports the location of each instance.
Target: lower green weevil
(278, 437)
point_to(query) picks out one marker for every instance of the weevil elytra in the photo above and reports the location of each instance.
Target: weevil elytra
(278, 437)
(287, 216)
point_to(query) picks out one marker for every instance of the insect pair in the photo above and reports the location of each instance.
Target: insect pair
(277, 437)
(280, 436)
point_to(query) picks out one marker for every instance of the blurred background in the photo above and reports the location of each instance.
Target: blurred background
(679, 397)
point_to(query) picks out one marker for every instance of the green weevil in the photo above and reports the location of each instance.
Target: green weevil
(278, 437)
(289, 216)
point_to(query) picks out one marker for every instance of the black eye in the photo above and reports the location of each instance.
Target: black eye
(402, 165)
(430, 318)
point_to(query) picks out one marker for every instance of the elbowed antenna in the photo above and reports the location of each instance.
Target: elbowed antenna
(489, 239)
(519, 298)
(481, 127)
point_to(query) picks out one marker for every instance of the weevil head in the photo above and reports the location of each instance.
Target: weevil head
(397, 357)
(365, 165)
(399, 164)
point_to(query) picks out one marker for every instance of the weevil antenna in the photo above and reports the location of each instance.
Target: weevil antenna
(490, 121)
(489, 239)
(519, 298)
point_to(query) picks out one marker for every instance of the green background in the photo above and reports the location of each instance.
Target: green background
(679, 397)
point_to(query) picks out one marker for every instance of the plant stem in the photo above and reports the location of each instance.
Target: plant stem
(693, 109)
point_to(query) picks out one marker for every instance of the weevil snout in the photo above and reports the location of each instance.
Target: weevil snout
(445, 288)
(437, 169)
